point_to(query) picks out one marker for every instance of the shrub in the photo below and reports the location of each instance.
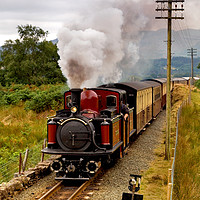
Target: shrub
(46, 100)
(197, 84)
(16, 96)
(36, 98)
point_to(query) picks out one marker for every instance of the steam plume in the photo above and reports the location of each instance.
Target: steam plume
(98, 42)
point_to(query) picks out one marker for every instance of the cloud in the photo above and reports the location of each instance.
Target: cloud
(15, 12)
(49, 15)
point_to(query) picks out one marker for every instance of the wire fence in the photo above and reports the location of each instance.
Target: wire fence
(171, 171)
(8, 169)
(11, 166)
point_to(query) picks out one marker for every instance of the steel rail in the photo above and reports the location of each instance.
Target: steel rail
(84, 185)
(80, 189)
(52, 191)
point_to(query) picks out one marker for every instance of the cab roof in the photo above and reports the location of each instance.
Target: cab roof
(159, 80)
(152, 83)
(136, 85)
(120, 91)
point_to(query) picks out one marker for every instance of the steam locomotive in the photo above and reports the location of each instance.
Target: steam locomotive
(91, 131)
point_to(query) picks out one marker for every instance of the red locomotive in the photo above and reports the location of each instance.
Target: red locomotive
(91, 131)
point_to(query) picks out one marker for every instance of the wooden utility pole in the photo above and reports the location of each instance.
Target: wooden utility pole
(167, 5)
(192, 52)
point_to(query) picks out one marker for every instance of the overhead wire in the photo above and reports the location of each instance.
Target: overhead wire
(189, 16)
(179, 38)
(160, 24)
(183, 35)
(188, 33)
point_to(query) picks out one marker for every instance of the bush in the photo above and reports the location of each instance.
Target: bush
(36, 98)
(197, 84)
(46, 100)
(16, 96)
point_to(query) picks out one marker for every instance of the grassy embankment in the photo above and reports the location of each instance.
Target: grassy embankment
(154, 183)
(187, 168)
(23, 122)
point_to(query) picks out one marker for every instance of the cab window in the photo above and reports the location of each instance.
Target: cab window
(111, 101)
(68, 100)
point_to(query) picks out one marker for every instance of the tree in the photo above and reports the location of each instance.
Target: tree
(198, 67)
(30, 59)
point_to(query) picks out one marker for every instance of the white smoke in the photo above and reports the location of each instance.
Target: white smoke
(99, 41)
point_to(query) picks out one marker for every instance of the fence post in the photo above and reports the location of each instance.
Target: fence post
(25, 160)
(20, 163)
(43, 146)
(169, 175)
(172, 160)
(169, 187)
(173, 150)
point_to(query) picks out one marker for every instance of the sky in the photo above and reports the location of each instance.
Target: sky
(51, 15)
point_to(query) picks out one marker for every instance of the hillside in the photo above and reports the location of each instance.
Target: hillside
(181, 66)
(153, 43)
(155, 68)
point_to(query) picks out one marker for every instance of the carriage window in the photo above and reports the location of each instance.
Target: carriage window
(68, 100)
(111, 100)
(157, 94)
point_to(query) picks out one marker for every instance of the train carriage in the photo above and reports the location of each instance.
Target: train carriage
(179, 81)
(163, 83)
(156, 97)
(139, 96)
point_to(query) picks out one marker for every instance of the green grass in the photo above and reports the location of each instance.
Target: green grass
(187, 167)
(22, 128)
(19, 130)
(155, 179)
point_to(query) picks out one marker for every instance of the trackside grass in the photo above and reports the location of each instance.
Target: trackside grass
(19, 130)
(187, 166)
(155, 179)
(23, 116)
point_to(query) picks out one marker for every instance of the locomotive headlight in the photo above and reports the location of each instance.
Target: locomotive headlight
(73, 109)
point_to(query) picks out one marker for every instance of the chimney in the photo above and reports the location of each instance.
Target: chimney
(76, 98)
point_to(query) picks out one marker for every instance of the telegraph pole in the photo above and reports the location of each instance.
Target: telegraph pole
(192, 52)
(170, 7)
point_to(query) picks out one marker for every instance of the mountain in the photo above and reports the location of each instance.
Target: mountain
(55, 41)
(157, 68)
(153, 53)
(153, 44)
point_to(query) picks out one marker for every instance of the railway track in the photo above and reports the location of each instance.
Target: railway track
(63, 190)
